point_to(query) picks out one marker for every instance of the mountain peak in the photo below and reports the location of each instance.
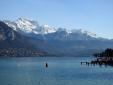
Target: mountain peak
(23, 19)
(46, 25)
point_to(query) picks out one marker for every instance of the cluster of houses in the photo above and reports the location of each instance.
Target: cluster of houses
(19, 52)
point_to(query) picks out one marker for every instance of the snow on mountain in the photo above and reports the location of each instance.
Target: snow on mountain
(47, 29)
(29, 26)
(84, 32)
(26, 25)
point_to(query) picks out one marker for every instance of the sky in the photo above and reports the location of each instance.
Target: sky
(91, 15)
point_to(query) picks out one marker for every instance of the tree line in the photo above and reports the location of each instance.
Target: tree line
(107, 53)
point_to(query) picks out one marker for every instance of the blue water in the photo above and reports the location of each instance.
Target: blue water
(61, 71)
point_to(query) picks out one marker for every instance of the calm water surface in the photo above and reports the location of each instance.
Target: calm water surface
(61, 71)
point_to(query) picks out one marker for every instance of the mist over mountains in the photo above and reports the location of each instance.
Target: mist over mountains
(54, 41)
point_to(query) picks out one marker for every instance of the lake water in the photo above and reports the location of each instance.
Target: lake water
(61, 71)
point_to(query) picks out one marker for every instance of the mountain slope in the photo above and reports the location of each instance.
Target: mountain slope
(11, 37)
(12, 41)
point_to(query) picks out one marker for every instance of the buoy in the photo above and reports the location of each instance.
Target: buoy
(46, 65)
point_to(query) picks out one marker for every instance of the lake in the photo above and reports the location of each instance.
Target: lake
(60, 71)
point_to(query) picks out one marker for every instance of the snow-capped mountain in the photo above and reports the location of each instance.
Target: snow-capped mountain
(29, 26)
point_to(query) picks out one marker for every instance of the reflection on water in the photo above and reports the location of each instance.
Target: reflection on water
(60, 71)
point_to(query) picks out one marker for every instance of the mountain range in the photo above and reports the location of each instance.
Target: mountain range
(54, 41)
